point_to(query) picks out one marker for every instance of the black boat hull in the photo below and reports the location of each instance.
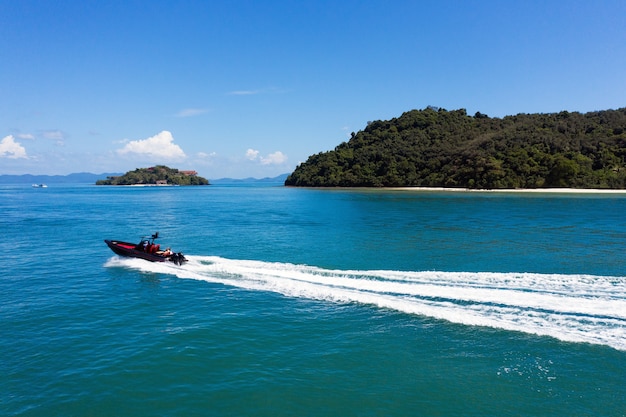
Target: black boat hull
(132, 250)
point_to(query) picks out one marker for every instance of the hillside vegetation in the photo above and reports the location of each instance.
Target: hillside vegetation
(159, 174)
(439, 148)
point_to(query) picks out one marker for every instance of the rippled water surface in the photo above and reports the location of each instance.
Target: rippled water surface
(312, 302)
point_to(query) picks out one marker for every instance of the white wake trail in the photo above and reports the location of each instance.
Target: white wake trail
(574, 308)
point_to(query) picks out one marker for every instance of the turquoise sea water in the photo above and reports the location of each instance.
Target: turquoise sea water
(312, 302)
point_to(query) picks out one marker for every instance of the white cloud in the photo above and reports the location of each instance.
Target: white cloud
(160, 146)
(252, 154)
(191, 112)
(267, 90)
(26, 136)
(55, 135)
(275, 158)
(204, 155)
(244, 92)
(11, 149)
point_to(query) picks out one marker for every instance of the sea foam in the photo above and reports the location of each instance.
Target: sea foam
(572, 308)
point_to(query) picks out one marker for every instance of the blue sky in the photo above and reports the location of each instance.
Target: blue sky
(252, 88)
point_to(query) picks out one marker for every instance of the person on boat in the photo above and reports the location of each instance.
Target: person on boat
(167, 252)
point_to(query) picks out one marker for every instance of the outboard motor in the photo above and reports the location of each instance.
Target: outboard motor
(178, 258)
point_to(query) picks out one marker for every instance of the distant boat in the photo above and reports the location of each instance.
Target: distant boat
(40, 186)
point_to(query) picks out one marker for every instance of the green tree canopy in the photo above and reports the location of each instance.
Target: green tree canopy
(159, 174)
(439, 148)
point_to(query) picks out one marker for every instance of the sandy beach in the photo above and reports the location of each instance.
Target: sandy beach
(514, 190)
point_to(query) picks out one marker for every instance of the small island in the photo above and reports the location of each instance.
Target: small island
(159, 175)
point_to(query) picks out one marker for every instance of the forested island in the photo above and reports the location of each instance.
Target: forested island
(157, 175)
(439, 148)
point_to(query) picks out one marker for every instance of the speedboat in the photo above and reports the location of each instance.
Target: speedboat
(146, 249)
